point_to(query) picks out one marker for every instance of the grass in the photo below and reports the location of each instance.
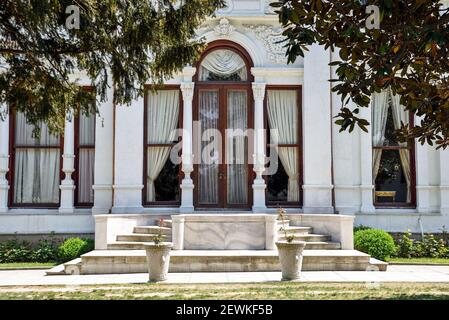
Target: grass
(251, 291)
(27, 265)
(419, 260)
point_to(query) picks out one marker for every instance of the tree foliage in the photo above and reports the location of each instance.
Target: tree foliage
(408, 54)
(124, 43)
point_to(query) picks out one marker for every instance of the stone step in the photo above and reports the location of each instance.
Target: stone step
(152, 230)
(134, 261)
(317, 245)
(308, 237)
(140, 237)
(296, 230)
(323, 245)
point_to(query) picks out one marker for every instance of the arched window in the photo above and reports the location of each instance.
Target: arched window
(223, 65)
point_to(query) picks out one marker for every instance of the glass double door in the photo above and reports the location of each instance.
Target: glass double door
(223, 174)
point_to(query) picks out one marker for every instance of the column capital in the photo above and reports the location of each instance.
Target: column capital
(187, 90)
(259, 90)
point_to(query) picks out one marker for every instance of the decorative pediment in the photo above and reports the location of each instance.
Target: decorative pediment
(224, 28)
(272, 38)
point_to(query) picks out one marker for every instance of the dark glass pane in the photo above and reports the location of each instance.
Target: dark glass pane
(167, 183)
(217, 77)
(391, 184)
(277, 185)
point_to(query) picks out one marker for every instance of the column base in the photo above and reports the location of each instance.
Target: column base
(67, 197)
(187, 187)
(259, 205)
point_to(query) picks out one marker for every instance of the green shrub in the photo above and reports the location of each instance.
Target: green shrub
(406, 246)
(361, 227)
(14, 251)
(431, 247)
(74, 247)
(377, 243)
(45, 251)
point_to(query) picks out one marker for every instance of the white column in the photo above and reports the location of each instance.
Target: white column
(444, 184)
(104, 158)
(187, 186)
(317, 132)
(4, 158)
(259, 156)
(68, 166)
(128, 157)
(366, 165)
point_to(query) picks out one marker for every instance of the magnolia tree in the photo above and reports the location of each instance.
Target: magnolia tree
(398, 44)
(43, 43)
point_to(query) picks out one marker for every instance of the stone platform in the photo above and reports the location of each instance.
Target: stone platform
(221, 242)
(134, 261)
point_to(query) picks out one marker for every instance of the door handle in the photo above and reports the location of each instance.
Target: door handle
(221, 175)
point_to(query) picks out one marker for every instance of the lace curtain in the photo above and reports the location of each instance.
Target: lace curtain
(37, 167)
(163, 114)
(222, 64)
(86, 159)
(283, 116)
(209, 166)
(236, 148)
(379, 123)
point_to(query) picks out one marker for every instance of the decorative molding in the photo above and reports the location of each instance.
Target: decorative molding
(271, 38)
(258, 91)
(268, 9)
(187, 90)
(224, 28)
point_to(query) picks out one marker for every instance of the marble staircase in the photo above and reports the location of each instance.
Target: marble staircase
(126, 255)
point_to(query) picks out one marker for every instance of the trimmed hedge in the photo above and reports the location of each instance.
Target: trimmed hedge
(74, 247)
(377, 243)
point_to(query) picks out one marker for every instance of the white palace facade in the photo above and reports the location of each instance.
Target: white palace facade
(122, 162)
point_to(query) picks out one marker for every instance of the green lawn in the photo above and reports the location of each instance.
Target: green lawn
(252, 291)
(420, 260)
(26, 265)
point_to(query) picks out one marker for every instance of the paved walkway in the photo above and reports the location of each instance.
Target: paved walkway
(395, 273)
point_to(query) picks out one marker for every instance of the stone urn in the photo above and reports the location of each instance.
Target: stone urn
(290, 257)
(158, 260)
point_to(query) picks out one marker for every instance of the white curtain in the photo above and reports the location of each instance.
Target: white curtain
(400, 115)
(379, 106)
(283, 116)
(163, 114)
(209, 166)
(236, 148)
(37, 167)
(86, 159)
(222, 63)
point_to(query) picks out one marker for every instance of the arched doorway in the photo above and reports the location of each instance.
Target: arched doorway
(223, 112)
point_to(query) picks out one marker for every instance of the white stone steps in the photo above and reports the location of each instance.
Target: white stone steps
(152, 230)
(167, 223)
(322, 245)
(296, 230)
(56, 271)
(134, 261)
(140, 237)
(307, 237)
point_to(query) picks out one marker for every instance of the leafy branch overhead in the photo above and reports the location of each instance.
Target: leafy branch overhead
(408, 53)
(137, 40)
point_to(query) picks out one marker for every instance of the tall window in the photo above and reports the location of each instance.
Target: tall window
(283, 115)
(162, 119)
(393, 161)
(85, 155)
(36, 168)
